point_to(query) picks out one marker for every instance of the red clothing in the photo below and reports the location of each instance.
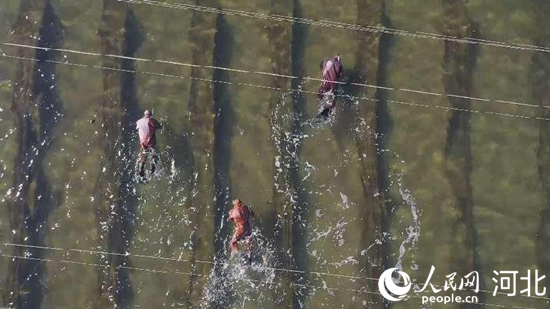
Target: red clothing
(332, 71)
(240, 214)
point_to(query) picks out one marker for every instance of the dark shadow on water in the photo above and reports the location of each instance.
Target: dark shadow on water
(30, 212)
(385, 122)
(299, 234)
(278, 222)
(120, 109)
(384, 127)
(201, 109)
(365, 119)
(122, 231)
(223, 132)
(458, 64)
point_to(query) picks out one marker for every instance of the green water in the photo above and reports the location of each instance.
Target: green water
(397, 178)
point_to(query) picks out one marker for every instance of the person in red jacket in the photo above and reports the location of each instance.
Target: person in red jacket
(332, 70)
(147, 126)
(241, 214)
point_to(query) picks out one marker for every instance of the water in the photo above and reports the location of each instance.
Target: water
(407, 173)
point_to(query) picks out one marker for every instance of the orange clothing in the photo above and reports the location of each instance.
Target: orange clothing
(240, 215)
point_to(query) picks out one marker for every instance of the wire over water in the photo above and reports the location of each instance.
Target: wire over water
(217, 263)
(277, 88)
(327, 23)
(508, 102)
(156, 271)
(185, 260)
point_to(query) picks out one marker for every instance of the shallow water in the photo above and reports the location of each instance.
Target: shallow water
(436, 154)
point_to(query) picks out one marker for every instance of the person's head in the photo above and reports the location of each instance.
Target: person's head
(147, 113)
(237, 203)
(337, 58)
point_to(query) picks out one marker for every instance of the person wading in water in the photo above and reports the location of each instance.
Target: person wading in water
(147, 126)
(241, 214)
(332, 70)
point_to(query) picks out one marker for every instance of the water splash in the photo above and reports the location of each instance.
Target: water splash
(233, 279)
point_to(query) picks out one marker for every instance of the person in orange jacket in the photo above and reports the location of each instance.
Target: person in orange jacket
(241, 214)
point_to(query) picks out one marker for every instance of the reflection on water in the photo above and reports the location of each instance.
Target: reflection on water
(436, 154)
